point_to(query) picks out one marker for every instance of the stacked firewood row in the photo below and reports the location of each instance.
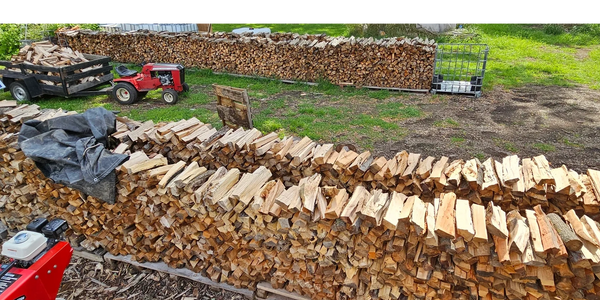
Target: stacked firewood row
(510, 183)
(390, 62)
(245, 221)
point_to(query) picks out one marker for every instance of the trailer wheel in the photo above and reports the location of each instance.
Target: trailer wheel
(19, 91)
(169, 96)
(125, 93)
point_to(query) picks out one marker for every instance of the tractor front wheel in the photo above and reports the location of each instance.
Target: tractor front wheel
(169, 96)
(186, 87)
(125, 93)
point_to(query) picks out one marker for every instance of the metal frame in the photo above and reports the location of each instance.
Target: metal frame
(459, 69)
(124, 27)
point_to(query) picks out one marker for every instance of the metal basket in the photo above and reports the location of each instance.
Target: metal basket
(459, 69)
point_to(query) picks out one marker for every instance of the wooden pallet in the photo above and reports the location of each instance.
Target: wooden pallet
(264, 289)
(392, 89)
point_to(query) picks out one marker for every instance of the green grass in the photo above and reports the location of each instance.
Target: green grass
(172, 113)
(397, 110)
(544, 147)
(571, 144)
(479, 155)
(457, 140)
(448, 122)
(72, 104)
(527, 54)
(506, 145)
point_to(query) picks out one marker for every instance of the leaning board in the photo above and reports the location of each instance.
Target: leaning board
(233, 106)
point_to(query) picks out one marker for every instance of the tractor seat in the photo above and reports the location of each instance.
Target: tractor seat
(123, 71)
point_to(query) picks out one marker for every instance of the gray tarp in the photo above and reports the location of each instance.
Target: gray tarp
(70, 150)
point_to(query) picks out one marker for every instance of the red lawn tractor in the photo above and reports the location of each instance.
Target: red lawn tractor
(132, 85)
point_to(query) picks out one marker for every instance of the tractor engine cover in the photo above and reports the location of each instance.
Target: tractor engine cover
(25, 246)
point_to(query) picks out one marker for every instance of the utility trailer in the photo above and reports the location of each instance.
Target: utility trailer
(23, 79)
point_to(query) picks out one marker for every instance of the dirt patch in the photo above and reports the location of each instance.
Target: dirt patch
(521, 121)
(503, 122)
(583, 53)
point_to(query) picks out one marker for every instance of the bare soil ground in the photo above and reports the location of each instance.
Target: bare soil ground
(561, 123)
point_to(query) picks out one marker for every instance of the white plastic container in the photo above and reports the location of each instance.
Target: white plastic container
(252, 30)
(25, 245)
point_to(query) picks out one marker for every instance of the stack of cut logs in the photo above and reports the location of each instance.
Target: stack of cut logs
(390, 62)
(47, 54)
(327, 223)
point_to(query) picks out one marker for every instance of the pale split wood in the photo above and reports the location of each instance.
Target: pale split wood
(578, 227)
(392, 215)
(543, 175)
(496, 221)
(339, 198)
(510, 169)
(374, 207)
(534, 231)
(431, 238)
(417, 218)
(549, 239)
(519, 233)
(349, 214)
(445, 221)
(464, 221)
(172, 171)
(479, 223)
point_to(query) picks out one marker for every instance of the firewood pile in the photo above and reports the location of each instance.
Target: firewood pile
(391, 62)
(242, 207)
(46, 54)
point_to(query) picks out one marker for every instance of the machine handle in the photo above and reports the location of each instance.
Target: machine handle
(5, 270)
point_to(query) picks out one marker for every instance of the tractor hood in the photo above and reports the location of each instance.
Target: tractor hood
(164, 67)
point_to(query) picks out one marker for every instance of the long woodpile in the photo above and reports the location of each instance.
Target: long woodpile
(390, 62)
(425, 228)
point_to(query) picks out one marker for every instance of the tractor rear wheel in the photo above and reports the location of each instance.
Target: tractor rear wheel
(169, 96)
(125, 93)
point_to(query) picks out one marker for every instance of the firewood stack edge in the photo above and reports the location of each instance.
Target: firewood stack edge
(390, 62)
(242, 207)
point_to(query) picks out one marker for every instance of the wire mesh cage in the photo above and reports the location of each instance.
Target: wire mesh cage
(459, 68)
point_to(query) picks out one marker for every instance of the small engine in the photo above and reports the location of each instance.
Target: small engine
(166, 78)
(38, 257)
